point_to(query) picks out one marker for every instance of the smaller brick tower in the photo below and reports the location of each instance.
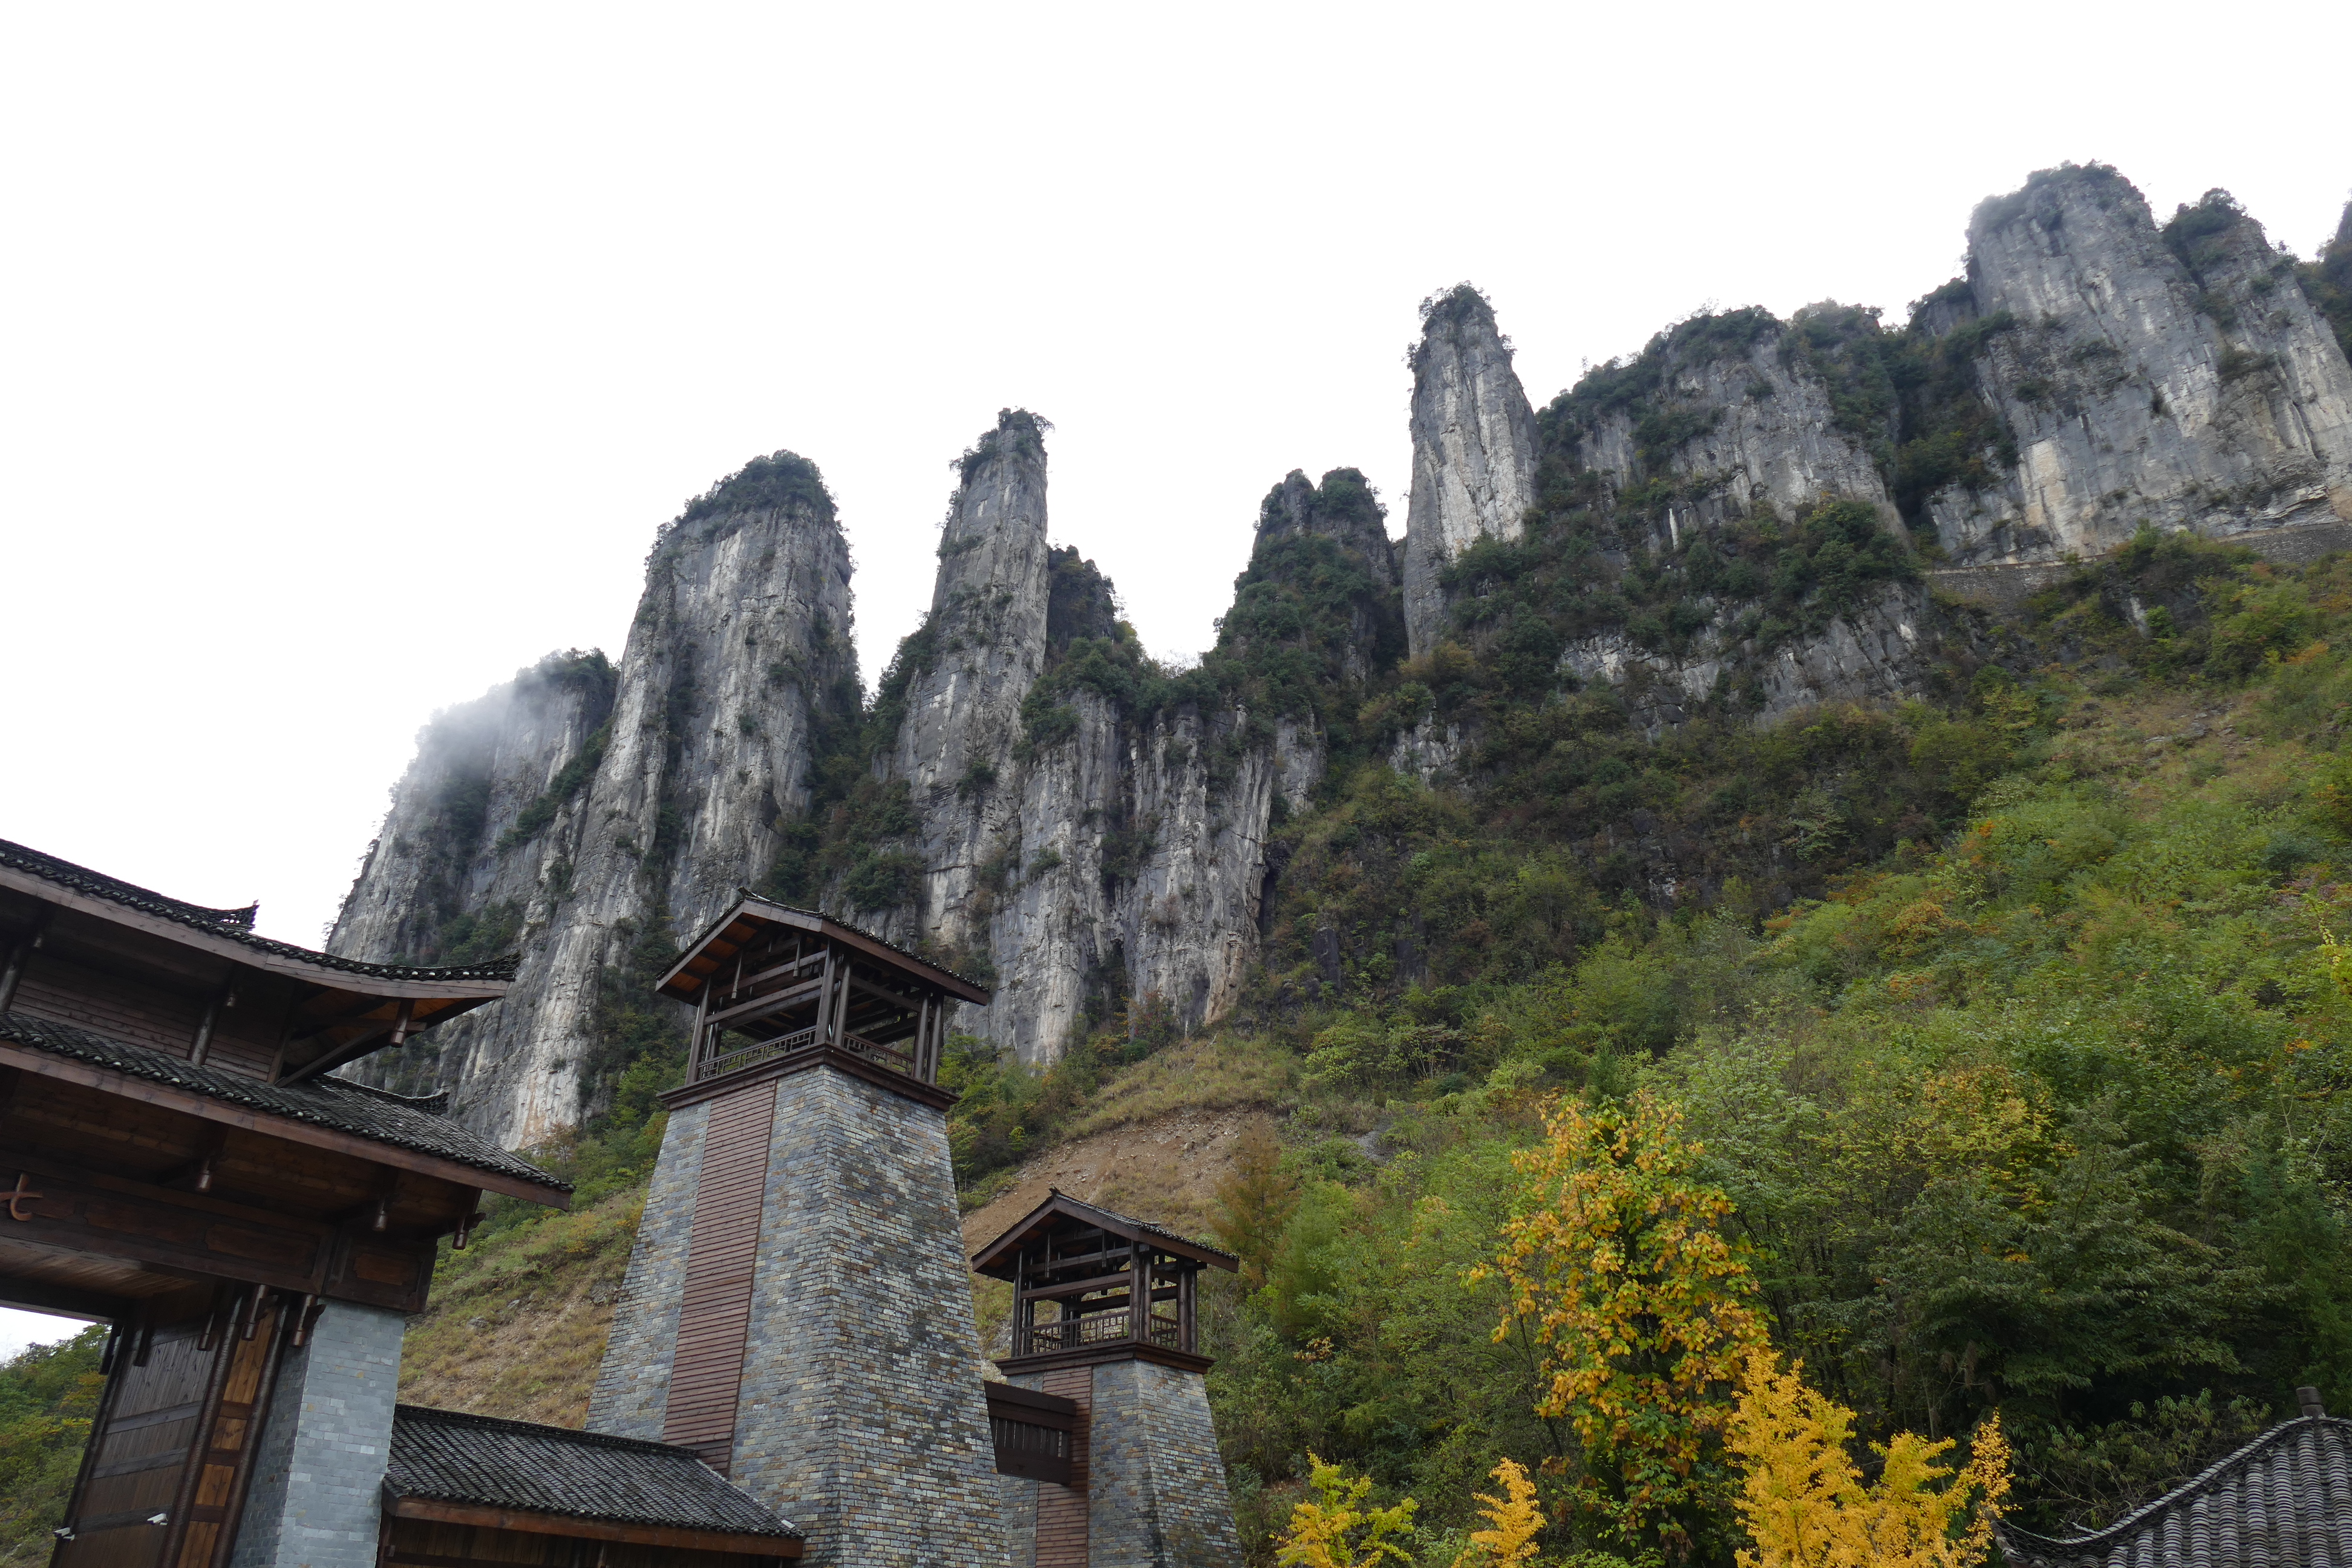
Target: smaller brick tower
(797, 1310)
(1104, 1309)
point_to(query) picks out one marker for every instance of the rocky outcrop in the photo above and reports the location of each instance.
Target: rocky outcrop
(1734, 422)
(644, 823)
(2176, 378)
(979, 651)
(1474, 451)
(1870, 654)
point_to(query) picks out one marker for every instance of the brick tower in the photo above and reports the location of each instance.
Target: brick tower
(797, 1309)
(1103, 1334)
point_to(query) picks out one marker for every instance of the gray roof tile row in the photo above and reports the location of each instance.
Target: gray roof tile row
(447, 1455)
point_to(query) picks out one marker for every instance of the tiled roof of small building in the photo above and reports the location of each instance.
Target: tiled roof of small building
(235, 924)
(449, 1457)
(2284, 1501)
(346, 1107)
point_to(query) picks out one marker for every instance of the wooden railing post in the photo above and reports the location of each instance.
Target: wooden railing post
(697, 1052)
(1138, 1294)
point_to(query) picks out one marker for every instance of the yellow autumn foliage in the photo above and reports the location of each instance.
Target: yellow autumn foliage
(1643, 1310)
(1805, 1504)
(1336, 1529)
(1514, 1520)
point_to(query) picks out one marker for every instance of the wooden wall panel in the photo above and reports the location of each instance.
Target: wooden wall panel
(722, 1260)
(117, 1006)
(1061, 1536)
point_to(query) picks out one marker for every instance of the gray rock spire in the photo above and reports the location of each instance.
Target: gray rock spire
(1474, 451)
(982, 648)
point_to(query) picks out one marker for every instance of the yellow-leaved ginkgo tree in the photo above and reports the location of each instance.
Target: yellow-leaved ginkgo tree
(1641, 1309)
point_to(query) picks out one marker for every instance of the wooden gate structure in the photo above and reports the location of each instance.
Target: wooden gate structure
(173, 1162)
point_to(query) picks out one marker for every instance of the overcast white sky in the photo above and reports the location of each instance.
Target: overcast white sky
(350, 356)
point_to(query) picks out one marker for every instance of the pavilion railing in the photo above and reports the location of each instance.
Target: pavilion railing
(717, 1063)
(1096, 1328)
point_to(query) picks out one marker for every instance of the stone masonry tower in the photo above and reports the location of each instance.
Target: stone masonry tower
(1103, 1335)
(797, 1309)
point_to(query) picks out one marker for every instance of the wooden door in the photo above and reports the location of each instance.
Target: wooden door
(139, 1446)
(184, 1390)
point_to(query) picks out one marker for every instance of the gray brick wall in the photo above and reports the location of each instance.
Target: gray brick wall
(1017, 1502)
(862, 1418)
(1157, 1494)
(633, 1385)
(318, 1478)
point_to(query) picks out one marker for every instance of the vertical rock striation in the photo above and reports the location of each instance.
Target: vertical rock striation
(1474, 451)
(643, 823)
(2174, 378)
(1092, 830)
(979, 651)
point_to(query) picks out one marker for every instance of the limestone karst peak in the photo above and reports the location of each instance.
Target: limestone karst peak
(764, 484)
(1473, 450)
(1343, 508)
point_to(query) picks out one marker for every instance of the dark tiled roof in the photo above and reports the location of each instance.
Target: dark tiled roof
(235, 924)
(449, 1457)
(371, 1113)
(2284, 1501)
(1142, 1225)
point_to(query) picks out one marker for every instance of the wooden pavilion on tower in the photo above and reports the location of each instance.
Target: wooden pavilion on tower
(774, 985)
(1102, 1422)
(1091, 1285)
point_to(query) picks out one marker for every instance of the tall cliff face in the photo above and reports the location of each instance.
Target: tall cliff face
(643, 824)
(979, 652)
(2176, 377)
(1086, 829)
(1713, 530)
(1474, 451)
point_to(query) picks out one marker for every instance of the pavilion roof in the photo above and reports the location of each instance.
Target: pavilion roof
(447, 1455)
(229, 930)
(726, 934)
(1061, 1211)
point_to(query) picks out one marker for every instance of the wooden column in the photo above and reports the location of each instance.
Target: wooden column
(20, 955)
(1139, 1293)
(825, 1000)
(697, 1049)
(1024, 1311)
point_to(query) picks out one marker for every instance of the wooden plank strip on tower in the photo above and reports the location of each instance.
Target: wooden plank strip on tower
(721, 1262)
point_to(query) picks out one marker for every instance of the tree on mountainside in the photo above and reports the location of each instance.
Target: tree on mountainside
(1644, 1310)
(1255, 1203)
